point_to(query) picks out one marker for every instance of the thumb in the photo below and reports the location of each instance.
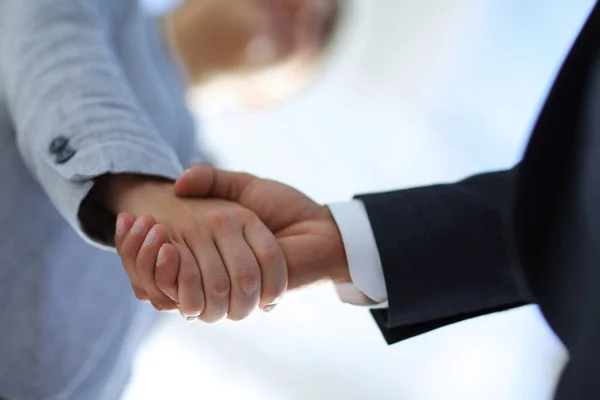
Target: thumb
(204, 180)
(195, 181)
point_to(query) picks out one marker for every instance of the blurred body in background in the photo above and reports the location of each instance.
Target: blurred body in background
(89, 88)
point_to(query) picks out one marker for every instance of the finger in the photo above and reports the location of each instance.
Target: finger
(189, 284)
(215, 279)
(271, 260)
(130, 247)
(147, 259)
(241, 265)
(195, 181)
(124, 223)
(167, 269)
(205, 180)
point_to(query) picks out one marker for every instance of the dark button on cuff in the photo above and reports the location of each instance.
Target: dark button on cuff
(65, 155)
(58, 144)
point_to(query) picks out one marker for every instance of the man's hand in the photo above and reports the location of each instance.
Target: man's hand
(228, 260)
(305, 230)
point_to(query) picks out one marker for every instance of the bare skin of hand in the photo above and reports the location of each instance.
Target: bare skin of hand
(229, 262)
(305, 230)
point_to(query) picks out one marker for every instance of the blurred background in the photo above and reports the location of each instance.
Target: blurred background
(408, 93)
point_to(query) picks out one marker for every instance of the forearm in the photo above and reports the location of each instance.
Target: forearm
(61, 80)
(59, 72)
(127, 192)
(446, 252)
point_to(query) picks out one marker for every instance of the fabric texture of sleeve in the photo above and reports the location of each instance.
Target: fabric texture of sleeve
(74, 114)
(445, 252)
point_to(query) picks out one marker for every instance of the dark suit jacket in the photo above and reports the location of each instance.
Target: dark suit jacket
(500, 240)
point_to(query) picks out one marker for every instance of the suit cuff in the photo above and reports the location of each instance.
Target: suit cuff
(69, 184)
(368, 282)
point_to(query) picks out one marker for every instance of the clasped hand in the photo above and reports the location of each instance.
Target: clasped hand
(220, 244)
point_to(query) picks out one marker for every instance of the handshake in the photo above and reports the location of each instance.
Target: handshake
(219, 244)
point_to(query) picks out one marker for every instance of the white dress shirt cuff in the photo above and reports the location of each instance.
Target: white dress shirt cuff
(368, 282)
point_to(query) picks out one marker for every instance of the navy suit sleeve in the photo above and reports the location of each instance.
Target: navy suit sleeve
(446, 252)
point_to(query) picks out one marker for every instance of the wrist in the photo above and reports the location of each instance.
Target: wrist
(338, 269)
(126, 192)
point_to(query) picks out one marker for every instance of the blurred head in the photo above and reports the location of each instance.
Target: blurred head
(242, 41)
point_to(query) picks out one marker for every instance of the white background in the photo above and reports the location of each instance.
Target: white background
(412, 93)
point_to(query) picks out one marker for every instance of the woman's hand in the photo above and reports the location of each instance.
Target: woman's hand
(229, 262)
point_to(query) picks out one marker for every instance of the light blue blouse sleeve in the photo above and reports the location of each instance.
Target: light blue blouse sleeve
(75, 116)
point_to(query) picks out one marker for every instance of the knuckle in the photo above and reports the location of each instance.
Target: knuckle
(189, 277)
(220, 285)
(248, 280)
(270, 254)
(220, 220)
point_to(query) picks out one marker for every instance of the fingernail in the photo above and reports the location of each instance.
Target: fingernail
(269, 308)
(160, 259)
(138, 227)
(189, 318)
(120, 229)
(151, 238)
